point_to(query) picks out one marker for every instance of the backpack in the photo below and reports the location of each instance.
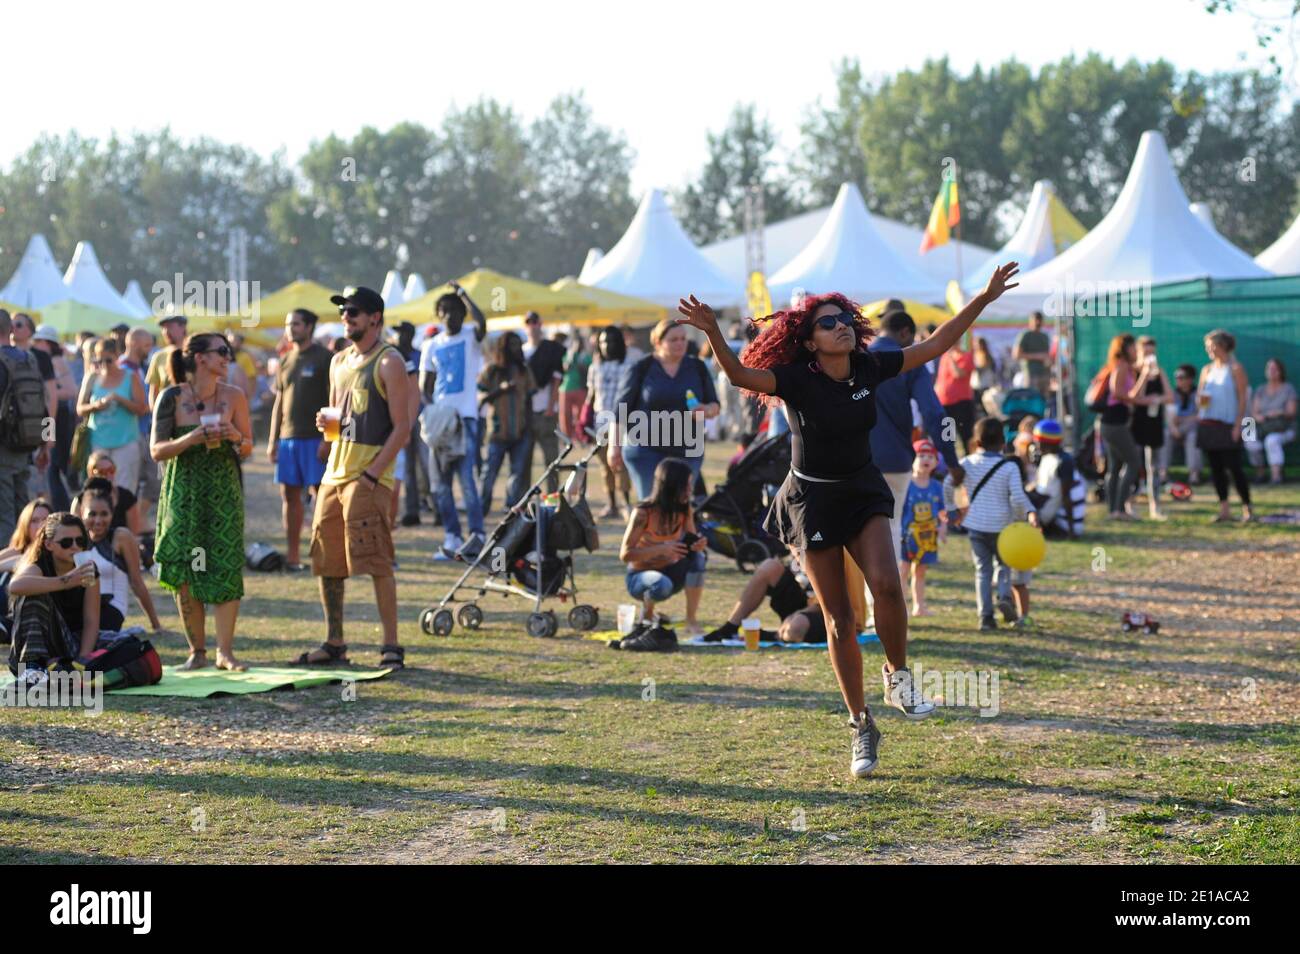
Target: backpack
(125, 661)
(22, 406)
(1098, 392)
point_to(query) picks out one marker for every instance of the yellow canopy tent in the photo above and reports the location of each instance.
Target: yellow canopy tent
(922, 314)
(611, 307)
(270, 312)
(14, 309)
(501, 296)
(70, 316)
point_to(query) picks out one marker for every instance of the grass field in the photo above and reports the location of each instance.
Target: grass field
(494, 746)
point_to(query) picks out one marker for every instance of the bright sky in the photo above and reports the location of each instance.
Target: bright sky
(268, 74)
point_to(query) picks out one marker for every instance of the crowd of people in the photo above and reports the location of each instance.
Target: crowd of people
(125, 454)
(1210, 416)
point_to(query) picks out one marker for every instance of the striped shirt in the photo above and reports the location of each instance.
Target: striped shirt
(1000, 502)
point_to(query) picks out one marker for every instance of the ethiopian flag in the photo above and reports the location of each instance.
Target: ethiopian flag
(943, 217)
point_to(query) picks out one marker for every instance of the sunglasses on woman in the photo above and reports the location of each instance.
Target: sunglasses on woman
(222, 350)
(827, 322)
(69, 542)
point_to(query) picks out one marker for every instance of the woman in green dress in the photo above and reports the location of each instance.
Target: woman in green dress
(201, 429)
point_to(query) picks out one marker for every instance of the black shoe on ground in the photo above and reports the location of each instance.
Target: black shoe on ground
(987, 625)
(725, 631)
(411, 520)
(651, 639)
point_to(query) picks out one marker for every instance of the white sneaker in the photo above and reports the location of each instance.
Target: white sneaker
(449, 547)
(866, 745)
(904, 694)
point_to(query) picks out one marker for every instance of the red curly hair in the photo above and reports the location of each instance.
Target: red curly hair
(781, 341)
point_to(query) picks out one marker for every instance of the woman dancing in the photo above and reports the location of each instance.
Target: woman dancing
(815, 360)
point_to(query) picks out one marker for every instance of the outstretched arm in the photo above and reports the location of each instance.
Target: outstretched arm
(700, 315)
(949, 333)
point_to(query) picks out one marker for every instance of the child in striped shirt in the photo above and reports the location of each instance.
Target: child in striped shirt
(996, 493)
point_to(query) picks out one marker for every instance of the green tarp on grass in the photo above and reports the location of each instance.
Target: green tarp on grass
(202, 683)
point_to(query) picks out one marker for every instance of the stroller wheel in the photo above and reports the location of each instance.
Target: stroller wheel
(584, 617)
(469, 616)
(542, 625)
(442, 623)
(426, 621)
(750, 553)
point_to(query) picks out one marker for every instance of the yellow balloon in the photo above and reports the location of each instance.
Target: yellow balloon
(1021, 546)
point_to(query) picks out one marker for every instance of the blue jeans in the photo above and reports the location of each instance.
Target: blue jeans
(661, 584)
(519, 451)
(984, 551)
(464, 468)
(642, 461)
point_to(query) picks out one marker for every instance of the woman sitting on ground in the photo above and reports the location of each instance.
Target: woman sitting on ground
(57, 608)
(29, 523)
(116, 553)
(661, 547)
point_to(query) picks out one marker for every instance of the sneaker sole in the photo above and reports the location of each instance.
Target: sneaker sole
(863, 772)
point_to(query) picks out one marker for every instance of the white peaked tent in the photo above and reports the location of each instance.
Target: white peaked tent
(594, 255)
(134, 297)
(36, 282)
(848, 255)
(1149, 236)
(1202, 212)
(414, 287)
(86, 282)
(656, 261)
(394, 291)
(784, 240)
(1032, 245)
(1281, 258)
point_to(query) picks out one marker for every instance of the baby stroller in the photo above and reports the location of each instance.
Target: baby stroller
(731, 518)
(530, 554)
(1018, 404)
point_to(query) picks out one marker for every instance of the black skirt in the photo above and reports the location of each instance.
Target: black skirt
(814, 515)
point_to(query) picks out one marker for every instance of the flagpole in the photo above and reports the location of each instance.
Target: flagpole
(957, 251)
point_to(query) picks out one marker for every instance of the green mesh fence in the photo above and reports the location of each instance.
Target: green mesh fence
(1263, 315)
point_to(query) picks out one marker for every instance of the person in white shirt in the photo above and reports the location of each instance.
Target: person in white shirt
(996, 496)
(450, 363)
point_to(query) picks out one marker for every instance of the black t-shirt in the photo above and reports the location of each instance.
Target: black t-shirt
(546, 362)
(830, 421)
(44, 363)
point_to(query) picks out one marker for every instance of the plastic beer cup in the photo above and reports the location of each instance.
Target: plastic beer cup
(333, 416)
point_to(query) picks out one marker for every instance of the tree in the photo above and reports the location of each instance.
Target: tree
(582, 196)
(713, 207)
(831, 152)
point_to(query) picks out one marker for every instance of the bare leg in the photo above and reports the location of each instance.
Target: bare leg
(291, 510)
(873, 551)
(194, 624)
(825, 570)
(227, 613)
(1022, 599)
(386, 600)
(693, 594)
(918, 591)
(765, 577)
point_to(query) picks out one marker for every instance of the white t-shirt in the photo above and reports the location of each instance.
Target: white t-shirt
(457, 360)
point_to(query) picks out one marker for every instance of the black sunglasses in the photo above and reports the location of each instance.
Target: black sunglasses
(223, 350)
(827, 322)
(349, 311)
(68, 542)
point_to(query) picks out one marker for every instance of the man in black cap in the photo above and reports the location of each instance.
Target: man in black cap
(351, 534)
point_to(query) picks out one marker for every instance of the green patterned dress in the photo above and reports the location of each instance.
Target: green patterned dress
(201, 523)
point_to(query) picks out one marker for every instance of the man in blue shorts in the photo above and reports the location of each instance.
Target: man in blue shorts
(296, 447)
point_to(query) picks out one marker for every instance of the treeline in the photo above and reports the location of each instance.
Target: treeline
(488, 188)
